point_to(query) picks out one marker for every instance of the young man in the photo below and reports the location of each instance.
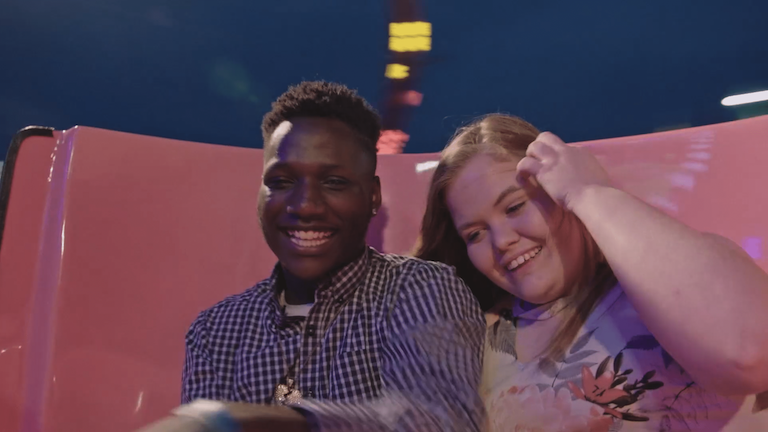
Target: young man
(340, 337)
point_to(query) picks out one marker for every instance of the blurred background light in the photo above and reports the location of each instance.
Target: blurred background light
(746, 98)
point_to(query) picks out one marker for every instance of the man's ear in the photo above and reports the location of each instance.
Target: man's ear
(376, 194)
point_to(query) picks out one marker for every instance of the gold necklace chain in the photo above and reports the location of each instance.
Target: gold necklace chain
(286, 392)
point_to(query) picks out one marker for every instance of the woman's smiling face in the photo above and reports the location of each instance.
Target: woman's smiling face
(515, 235)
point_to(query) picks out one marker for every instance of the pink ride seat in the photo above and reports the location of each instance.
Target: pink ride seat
(113, 242)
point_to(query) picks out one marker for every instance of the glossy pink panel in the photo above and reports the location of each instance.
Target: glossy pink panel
(156, 230)
(18, 261)
(712, 178)
(149, 231)
(404, 183)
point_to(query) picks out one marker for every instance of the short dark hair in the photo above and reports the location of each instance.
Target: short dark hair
(327, 100)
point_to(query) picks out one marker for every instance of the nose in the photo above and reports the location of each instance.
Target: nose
(503, 237)
(306, 201)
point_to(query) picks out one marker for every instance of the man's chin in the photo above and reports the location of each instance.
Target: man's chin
(311, 267)
(308, 268)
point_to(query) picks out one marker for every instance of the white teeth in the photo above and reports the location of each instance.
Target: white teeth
(308, 243)
(308, 239)
(523, 258)
(310, 235)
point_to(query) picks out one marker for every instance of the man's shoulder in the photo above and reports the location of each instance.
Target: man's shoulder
(242, 304)
(410, 274)
(407, 266)
(424, 289)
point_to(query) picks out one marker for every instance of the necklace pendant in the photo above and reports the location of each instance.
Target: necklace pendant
(287, 394)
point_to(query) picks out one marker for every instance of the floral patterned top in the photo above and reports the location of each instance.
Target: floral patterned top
(614, 377)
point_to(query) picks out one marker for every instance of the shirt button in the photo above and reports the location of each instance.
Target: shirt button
(310, 392)
(311, 330)
(339, 300)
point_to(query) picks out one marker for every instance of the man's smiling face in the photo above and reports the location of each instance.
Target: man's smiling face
(317, 196)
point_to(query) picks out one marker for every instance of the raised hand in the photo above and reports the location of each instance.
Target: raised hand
(564, 172)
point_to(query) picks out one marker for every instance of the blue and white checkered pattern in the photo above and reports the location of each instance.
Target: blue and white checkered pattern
(401, 350)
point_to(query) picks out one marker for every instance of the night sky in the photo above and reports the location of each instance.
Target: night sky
(206, 71)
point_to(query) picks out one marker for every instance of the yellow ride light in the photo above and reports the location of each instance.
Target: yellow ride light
(396, 71)
(410, 36)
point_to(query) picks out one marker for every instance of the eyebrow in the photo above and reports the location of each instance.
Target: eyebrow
(510, 190)
(285, 165)
(506, 192)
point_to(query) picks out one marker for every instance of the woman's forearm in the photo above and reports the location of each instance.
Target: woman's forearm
(702, 297)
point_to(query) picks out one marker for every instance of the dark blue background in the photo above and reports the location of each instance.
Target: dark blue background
(207, 71)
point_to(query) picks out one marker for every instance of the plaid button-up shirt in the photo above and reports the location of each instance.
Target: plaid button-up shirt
(391, 344)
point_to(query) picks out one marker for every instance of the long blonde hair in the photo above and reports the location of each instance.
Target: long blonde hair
(502, 137)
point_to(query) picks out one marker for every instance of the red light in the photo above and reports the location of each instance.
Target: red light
(411, 97)
(391, 142)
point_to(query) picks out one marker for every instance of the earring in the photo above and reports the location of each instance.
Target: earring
(375, 211)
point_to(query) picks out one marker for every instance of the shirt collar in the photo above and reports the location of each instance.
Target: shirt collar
(338, 285)
(343, 282)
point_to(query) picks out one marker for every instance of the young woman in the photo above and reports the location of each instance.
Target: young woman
(604, 314)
